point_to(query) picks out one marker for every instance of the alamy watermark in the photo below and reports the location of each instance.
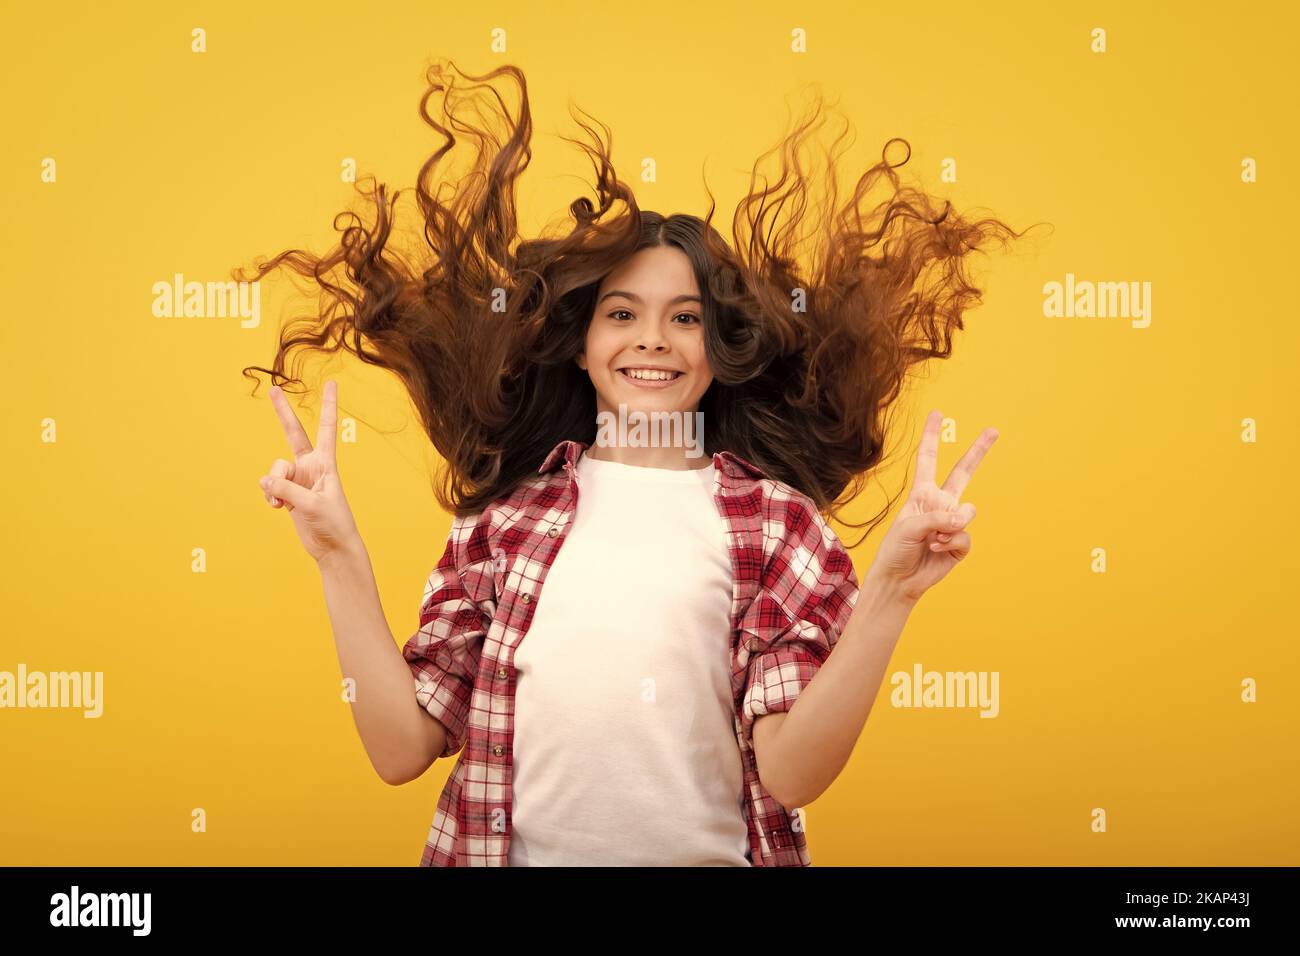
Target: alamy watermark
(208, 300)
(55, 689)
(637, 429)
(973, 689)
(76, 908)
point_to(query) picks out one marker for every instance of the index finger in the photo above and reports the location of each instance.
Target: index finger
(961, 472)
(329, 416)
(299, 443)
(927, 453)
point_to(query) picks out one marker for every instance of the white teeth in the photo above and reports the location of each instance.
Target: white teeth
(653, 375)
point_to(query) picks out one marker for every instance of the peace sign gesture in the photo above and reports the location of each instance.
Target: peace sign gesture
(308, 487)
(926, 540)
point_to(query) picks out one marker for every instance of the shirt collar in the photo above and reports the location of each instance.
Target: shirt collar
(569, 451)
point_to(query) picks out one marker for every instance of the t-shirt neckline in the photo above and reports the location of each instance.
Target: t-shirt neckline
(624, 471)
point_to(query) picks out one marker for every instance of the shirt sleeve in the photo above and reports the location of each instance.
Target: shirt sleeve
(444, 653)
(808, 591)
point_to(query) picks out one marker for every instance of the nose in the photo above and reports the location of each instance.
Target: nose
(651, 337)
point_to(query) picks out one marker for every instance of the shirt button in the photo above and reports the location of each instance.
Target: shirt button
(502, 672)
(527, 598)
(498, 750)
(552, 531)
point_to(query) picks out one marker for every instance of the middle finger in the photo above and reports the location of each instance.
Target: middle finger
(299, 443)
(960, 475)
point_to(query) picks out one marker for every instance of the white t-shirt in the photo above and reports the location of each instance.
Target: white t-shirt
(625, 750)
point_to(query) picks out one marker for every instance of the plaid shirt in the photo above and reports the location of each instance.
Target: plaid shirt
(794, 587)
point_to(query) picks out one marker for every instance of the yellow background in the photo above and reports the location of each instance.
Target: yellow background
(222, 690)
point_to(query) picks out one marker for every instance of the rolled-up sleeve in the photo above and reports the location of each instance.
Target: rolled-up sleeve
(444, 653)
(808, 591)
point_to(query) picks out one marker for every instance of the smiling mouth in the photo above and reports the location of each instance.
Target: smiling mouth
(649, 375)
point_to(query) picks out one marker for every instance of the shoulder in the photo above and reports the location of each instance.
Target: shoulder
(785, 517)
(793, 513)
(785, 511)
(522, 508)
(792, 522)
(808, 583)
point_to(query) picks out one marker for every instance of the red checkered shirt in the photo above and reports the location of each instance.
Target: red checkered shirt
(793, 589)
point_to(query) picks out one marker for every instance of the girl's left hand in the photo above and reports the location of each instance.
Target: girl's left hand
(927, 539)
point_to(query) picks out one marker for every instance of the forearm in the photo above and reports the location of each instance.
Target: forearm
(400, 738)
(816, 736)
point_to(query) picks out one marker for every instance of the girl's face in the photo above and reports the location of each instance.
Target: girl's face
(648, 317)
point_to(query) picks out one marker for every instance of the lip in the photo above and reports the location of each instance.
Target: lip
(657, 383)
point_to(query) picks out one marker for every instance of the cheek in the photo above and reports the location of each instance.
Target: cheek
(700, 360)
(598, 351)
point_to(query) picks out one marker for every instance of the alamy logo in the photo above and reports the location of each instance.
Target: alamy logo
(84, 689)
(1098, 300)
(102, 909)
(208, 300)
(975, 689)
(637, 429)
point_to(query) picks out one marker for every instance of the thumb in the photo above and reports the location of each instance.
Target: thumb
(919, 527)
(290, 491)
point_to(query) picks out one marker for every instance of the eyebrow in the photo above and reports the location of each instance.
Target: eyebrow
(636, 298)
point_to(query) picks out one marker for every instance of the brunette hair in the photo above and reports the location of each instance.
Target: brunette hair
(808, 335)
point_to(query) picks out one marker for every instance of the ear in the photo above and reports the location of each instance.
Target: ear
(582, 360)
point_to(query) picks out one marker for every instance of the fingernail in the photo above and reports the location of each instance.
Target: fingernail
(957, 520)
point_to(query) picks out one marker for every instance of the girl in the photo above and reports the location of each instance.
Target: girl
(701, 655)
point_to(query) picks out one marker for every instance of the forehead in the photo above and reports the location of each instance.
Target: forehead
(656, 271)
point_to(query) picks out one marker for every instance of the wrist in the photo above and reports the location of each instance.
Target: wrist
(350, 556)
(886, 590)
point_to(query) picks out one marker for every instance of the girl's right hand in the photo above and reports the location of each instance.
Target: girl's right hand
(308, 487)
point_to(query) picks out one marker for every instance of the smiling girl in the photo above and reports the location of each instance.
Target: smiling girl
(643, 654)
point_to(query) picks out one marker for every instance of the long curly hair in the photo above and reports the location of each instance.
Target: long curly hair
(811, 319)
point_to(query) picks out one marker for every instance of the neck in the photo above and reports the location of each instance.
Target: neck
(677, 459)
(675, 441)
